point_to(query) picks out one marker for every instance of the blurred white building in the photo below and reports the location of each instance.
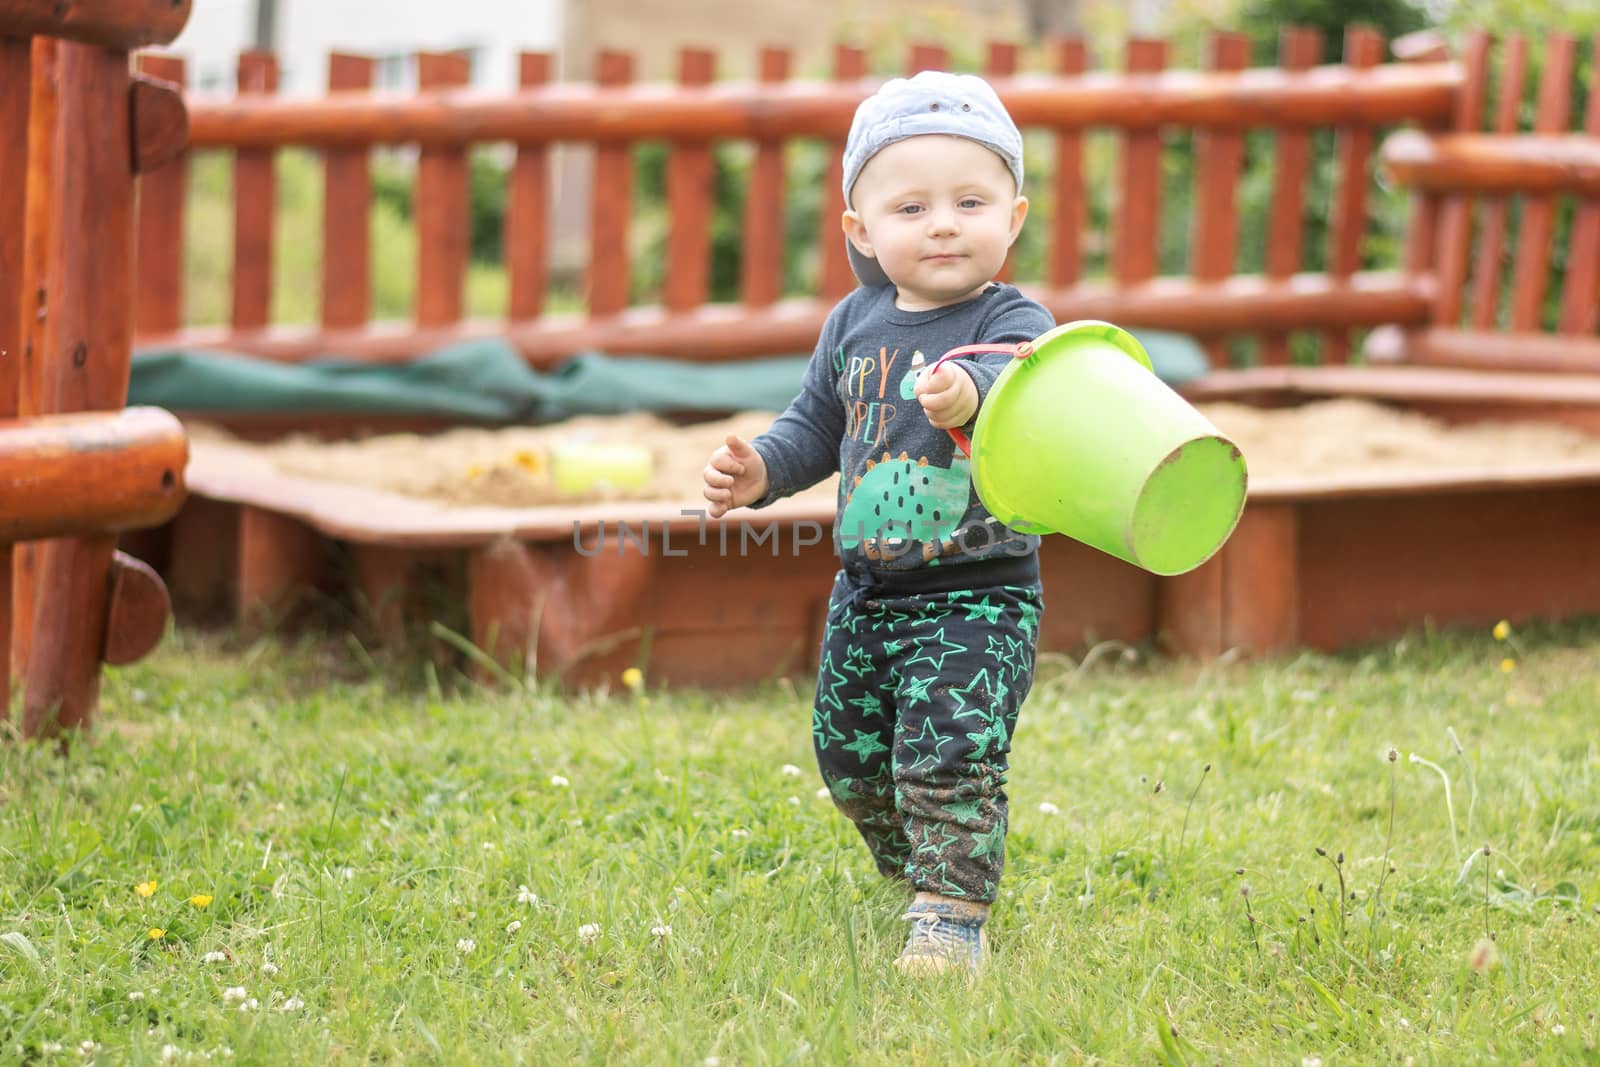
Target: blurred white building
(391, 31)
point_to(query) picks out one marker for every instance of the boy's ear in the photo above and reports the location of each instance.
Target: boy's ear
(856, 231)
(1019, 212)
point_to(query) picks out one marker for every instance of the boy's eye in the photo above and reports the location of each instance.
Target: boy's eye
(969, 202)
(910, 209)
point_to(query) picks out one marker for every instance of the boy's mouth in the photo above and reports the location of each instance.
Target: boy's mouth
(943, 257)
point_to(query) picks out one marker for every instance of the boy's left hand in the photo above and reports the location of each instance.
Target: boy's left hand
(948, 396)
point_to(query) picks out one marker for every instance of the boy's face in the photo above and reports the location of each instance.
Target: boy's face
(938, 213)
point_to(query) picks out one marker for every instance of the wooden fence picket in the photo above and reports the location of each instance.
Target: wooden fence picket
(1580, 293)
(1485, 300)
(347, 212)
(612, 203)
(442, 205)
(1299, 49)
(691, 199)
(527, 226)
(1531, 269)
(761, 259)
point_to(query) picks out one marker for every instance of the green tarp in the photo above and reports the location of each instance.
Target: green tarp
(488, 381)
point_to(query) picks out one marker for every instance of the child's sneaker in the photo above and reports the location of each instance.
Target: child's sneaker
(943, 937)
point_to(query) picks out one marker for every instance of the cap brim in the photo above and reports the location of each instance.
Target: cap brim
(867, 270)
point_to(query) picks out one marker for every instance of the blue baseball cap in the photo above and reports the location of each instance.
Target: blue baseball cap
(931, 102)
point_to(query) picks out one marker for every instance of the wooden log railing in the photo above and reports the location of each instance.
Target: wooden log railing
(1483, 318)
(74, 466)
(1139, 107)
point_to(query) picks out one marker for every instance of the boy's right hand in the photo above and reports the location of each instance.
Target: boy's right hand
(735, 476)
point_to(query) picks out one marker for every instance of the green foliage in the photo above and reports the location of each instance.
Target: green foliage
(1264, 20)
(345, 867)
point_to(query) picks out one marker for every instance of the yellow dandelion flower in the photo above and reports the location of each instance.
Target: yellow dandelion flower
(1508, 665)
(1502, 630)
(530, 461)
(633, 678)
(146, 889)
(156, 933)
(201, 900)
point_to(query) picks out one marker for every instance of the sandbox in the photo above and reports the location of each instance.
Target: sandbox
(1364, 520)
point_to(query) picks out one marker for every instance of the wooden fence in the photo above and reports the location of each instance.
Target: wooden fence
(74, 466)
(1491, 195)
(1140, 108)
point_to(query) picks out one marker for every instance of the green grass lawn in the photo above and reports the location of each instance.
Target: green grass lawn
(273, 853)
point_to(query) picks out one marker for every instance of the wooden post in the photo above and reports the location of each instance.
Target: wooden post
(1136, 255)
(1000, 62)
(87, 353)
(163, 205)
(1455, 211)
(255, 196)
(612, 204)
(1071, 192)
(849, 65)
(1298, 50)
(1347, 226)
(1220, 162)
(504, 587)
(115, 24)
(691, 195)
(923, 56)
(1246, 597)
(1491, 242)
(443, 236)
(347, 213)
(1536, 228)
(761, 264)
(43, 109)
(280, 561)
(15, 80)
(527, 233)
(1580, 294)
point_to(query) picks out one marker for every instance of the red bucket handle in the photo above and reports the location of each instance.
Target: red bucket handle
(1020, 350)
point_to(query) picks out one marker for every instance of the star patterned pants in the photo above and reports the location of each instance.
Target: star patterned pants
(917, 699)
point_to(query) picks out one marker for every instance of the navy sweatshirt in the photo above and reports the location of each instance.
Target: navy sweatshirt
(908, 515)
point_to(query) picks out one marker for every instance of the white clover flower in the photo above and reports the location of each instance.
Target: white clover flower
(269, 968)
(1557, 1030)
(738, 833)
(513, 926)
(465, 946)
(214, 957)
(234, 992)
(488, 846)
(1310, 1061)
(250, 1005)
(1048, 808)
(294, 1003)
(527, 896)
(789, 770)
(87, 1048)
(660, 932)
(135, 995)
(50, 1048)
(794, 801)
(559, 781)
(589, 933)
(822, 793)
(170, 1053)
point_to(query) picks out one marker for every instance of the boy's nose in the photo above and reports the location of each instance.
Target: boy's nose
(942, 221)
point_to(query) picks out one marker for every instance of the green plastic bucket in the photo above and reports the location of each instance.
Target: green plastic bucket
(1079, 437)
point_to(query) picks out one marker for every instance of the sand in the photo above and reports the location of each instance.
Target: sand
(511, 467)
